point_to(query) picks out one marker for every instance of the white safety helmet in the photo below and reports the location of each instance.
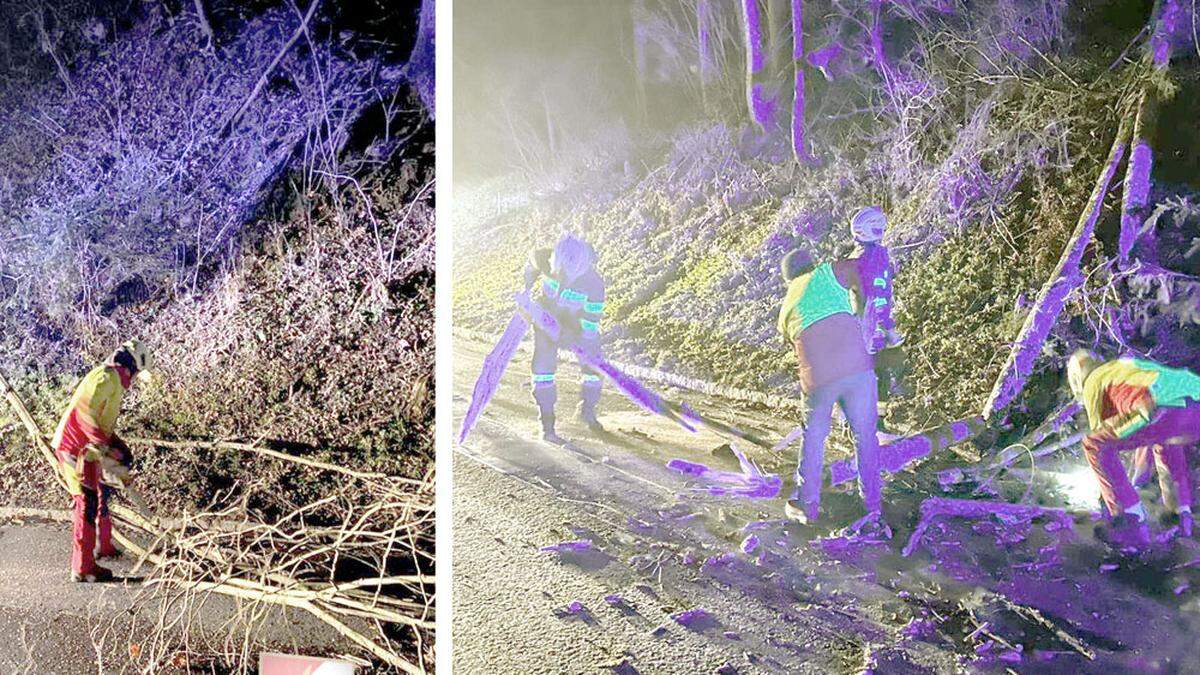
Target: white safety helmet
(868, 224)
(139, 354)
(1079, 366)
(572, 257)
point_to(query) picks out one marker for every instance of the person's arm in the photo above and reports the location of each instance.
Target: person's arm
(538, 265)
(781, 323)
(849, 275)
(1126, 424)
(593, 311)
(120, 451)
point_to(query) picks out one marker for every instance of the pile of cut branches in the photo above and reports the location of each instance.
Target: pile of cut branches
(359, 559)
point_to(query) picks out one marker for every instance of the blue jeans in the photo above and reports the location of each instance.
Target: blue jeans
(858, 397)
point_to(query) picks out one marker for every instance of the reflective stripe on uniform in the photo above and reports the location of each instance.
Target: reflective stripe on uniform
(590, 378)
(880, 302)
(551, 286)
(589, 326)
(880, 282)
(594, 307)
(573, 296)
(539, 378)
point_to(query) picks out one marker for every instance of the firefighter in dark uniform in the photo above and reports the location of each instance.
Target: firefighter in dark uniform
(573, 291)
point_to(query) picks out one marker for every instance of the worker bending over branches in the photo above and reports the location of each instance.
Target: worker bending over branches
(90, 451)
(1133, 404)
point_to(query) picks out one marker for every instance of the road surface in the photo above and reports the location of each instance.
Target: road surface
(982, 596)
(54, 626)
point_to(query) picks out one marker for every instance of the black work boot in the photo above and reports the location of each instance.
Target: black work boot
(1125, 533)
(545, 398)
(98, 575)
(589, 398)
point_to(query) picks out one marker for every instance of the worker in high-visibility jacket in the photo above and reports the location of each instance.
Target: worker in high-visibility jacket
(875, 265)
(818, 322)
(1133, 404)
(88, 447)
(574, 292)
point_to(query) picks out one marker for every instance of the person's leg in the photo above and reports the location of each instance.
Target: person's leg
(1174, 477)
(809, 472)
(590, 387)
(1178, 427)
(1105, 459)
(860, 404)
(83, 544)
(545, 390)
(105, 548)
(1143, 465)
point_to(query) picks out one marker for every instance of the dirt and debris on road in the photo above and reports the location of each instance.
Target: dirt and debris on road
(675, 580)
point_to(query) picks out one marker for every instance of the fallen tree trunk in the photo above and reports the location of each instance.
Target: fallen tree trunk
(267, 452)
(896, 456)
(1134, 206)
(1066, 279)
(1052, 425)
(31, 426)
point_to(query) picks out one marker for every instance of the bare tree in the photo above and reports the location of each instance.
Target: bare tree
(204, 24)
(799, 147)
(759, 97)
(1141, 159)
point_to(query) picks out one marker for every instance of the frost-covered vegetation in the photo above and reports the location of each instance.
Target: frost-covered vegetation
(981, 128)
(272, 244)
(249, 189)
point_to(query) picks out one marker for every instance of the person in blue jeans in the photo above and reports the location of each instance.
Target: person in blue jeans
(818, 322)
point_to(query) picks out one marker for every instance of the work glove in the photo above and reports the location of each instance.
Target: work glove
(120, 451)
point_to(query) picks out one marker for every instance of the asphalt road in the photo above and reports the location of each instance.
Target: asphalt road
(514, 495)
(54, 626)
(983, 595)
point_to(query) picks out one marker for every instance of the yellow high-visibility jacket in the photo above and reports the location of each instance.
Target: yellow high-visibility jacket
(90, 422)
